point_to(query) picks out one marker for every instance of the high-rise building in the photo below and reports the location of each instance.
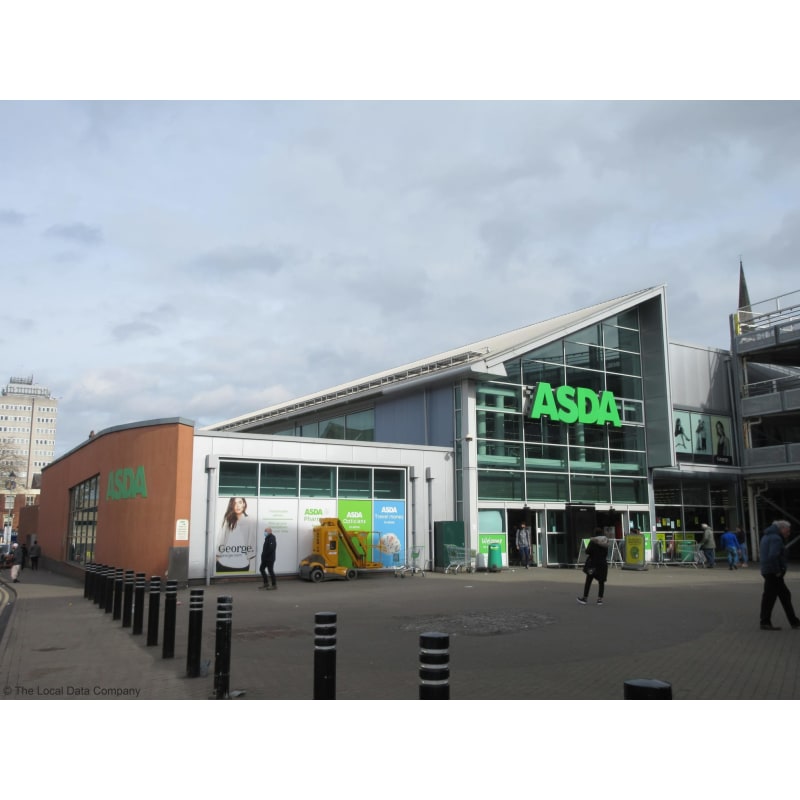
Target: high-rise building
(28, 417)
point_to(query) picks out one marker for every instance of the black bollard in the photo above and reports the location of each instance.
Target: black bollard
(153, 611)
(127, 599)
(138, 603)
(170, 607)
(108, 597)
(325, 655)
(88, 580)
(99, 584)
(118, 584)
(434, 666)
(644, 689)
(222, 650)
(195, 633)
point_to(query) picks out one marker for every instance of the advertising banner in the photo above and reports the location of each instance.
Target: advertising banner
(634, 551)
(389, 532)
(237, 542)
(280, 514)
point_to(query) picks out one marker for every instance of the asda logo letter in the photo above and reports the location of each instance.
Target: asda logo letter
(126, 483)
(568, 404)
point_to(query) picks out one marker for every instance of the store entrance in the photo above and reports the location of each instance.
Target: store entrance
(516, 516)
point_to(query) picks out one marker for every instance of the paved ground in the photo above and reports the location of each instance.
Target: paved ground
(513, 635)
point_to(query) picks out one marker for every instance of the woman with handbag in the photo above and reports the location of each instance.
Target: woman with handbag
(596, 566)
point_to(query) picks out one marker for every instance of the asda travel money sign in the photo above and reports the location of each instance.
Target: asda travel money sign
(574, 404)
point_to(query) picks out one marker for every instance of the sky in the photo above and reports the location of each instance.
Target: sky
(205, 258)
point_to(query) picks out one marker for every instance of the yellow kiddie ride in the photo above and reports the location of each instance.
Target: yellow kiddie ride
(337, 553)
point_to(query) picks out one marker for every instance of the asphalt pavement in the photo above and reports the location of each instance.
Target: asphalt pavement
(513, 635)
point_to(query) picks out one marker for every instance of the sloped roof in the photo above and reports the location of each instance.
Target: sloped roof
(484, 357)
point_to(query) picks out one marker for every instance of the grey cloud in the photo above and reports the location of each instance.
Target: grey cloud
(135, 330)
(239, 261)
(76, 232)
(11, 217)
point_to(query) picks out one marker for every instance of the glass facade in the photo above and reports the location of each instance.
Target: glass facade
(82, 521)
(521, 458)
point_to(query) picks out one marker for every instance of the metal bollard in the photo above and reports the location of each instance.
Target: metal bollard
(138, 603)
(195, 633)
(118, 584)
(88, 580)
(434, 666)
(153, 611)
(127, 599)
(325, 655)
(108, 596)
(222, 650)
(170, 607)
(643, 689)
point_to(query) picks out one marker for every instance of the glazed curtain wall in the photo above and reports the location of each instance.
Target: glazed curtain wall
(291, 498)
(522, 459)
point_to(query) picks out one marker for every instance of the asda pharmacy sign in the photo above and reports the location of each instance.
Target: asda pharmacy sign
(126, 483)
(574, 404)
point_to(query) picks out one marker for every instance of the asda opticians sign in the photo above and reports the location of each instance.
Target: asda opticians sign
(126, 483)
(570, 404)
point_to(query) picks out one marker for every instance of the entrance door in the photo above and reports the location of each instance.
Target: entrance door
(516, 516)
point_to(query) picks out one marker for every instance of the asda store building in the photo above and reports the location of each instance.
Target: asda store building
(589, 419)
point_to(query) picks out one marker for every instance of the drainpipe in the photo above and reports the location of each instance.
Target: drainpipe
(212, 463)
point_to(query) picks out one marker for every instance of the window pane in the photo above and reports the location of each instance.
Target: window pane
(310, 429)
(390, 484)
(549, 457)
(629, 490)
(534, 372)
(553, 352)
(361, 426)
(542, 486)
(279, 480)
(332, 428)
(588, 488)
(583, 355)
(238, 479)
(317, 481)
(499, 485)
(493, 454)
(355, 482)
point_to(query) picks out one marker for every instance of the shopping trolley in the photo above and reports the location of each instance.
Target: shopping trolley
(414, 562)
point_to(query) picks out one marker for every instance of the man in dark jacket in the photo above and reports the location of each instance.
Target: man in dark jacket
(19, 558)
(268, 559)
(773, 568)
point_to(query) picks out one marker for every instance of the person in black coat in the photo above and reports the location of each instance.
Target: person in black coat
(596, 566)
(268, 559)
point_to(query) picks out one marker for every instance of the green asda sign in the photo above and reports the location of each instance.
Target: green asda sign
(569, 404)
(126, 483)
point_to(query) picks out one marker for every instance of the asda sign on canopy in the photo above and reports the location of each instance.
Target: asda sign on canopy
(570, 404)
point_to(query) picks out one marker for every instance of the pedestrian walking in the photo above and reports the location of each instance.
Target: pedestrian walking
(34, 553)
(741, 538)
(708, 545)
(16, 566)
(524, 545)
(268, 551)
(773, 568)
(729, 541)
(595, 567)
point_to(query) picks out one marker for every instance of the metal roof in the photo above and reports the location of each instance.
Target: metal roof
(484, 357)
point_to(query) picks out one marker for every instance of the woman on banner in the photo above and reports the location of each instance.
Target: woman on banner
(236, 548)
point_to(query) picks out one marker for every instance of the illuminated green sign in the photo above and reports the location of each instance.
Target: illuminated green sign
(126, 483)
(568, 404)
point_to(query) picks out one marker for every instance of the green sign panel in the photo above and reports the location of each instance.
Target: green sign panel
(126, 483)
(569, 404)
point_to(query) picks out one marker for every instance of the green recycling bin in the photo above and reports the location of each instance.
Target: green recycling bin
(495, 558)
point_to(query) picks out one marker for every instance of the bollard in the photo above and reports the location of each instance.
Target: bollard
(153, 610)
(325, 655)
(118, 583)
(222, 650)
(127, 599)
(170, 606)
(643, 689)
(99, 584)
(108, 596)
(138, 603)
(195, 633)
(434, 666)
(88, 580)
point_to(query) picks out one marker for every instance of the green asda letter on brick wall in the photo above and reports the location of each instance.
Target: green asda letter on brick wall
(126, 483)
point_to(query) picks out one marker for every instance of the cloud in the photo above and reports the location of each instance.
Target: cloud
(10, 217)
(76, 232)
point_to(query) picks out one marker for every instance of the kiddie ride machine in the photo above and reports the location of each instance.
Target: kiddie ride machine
(337, 553)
